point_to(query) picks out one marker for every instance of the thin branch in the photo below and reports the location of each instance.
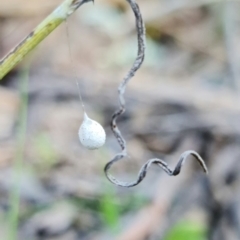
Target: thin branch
(59, 15)
(136, 65)
(121, 90)
(143, 171)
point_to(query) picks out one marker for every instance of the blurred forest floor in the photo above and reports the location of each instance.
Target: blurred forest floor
(186, 96)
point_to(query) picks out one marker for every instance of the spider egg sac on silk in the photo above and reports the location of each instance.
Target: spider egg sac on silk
(91, 133)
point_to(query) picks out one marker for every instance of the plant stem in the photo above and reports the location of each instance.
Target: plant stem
(17, 167)
(59, 15)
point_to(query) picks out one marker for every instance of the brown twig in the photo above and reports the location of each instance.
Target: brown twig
(121, 90)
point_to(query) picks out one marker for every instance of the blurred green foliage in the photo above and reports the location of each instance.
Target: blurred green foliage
(109, 209)
(45, 150)
(187, 230)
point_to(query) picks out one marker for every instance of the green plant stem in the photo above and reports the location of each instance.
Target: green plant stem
(59, 15)
(17, 167)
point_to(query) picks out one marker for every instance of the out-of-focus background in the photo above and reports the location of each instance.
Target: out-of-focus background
(185, 96)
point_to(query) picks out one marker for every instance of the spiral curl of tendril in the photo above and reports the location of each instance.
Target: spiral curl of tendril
(117, 133)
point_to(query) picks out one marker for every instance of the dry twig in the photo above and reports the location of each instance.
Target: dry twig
(121, 90)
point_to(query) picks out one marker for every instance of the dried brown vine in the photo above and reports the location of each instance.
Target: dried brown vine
(121, 90)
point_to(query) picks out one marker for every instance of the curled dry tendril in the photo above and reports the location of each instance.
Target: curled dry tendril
(121, 90)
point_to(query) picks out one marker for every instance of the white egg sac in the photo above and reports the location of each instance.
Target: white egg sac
(91, 133)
